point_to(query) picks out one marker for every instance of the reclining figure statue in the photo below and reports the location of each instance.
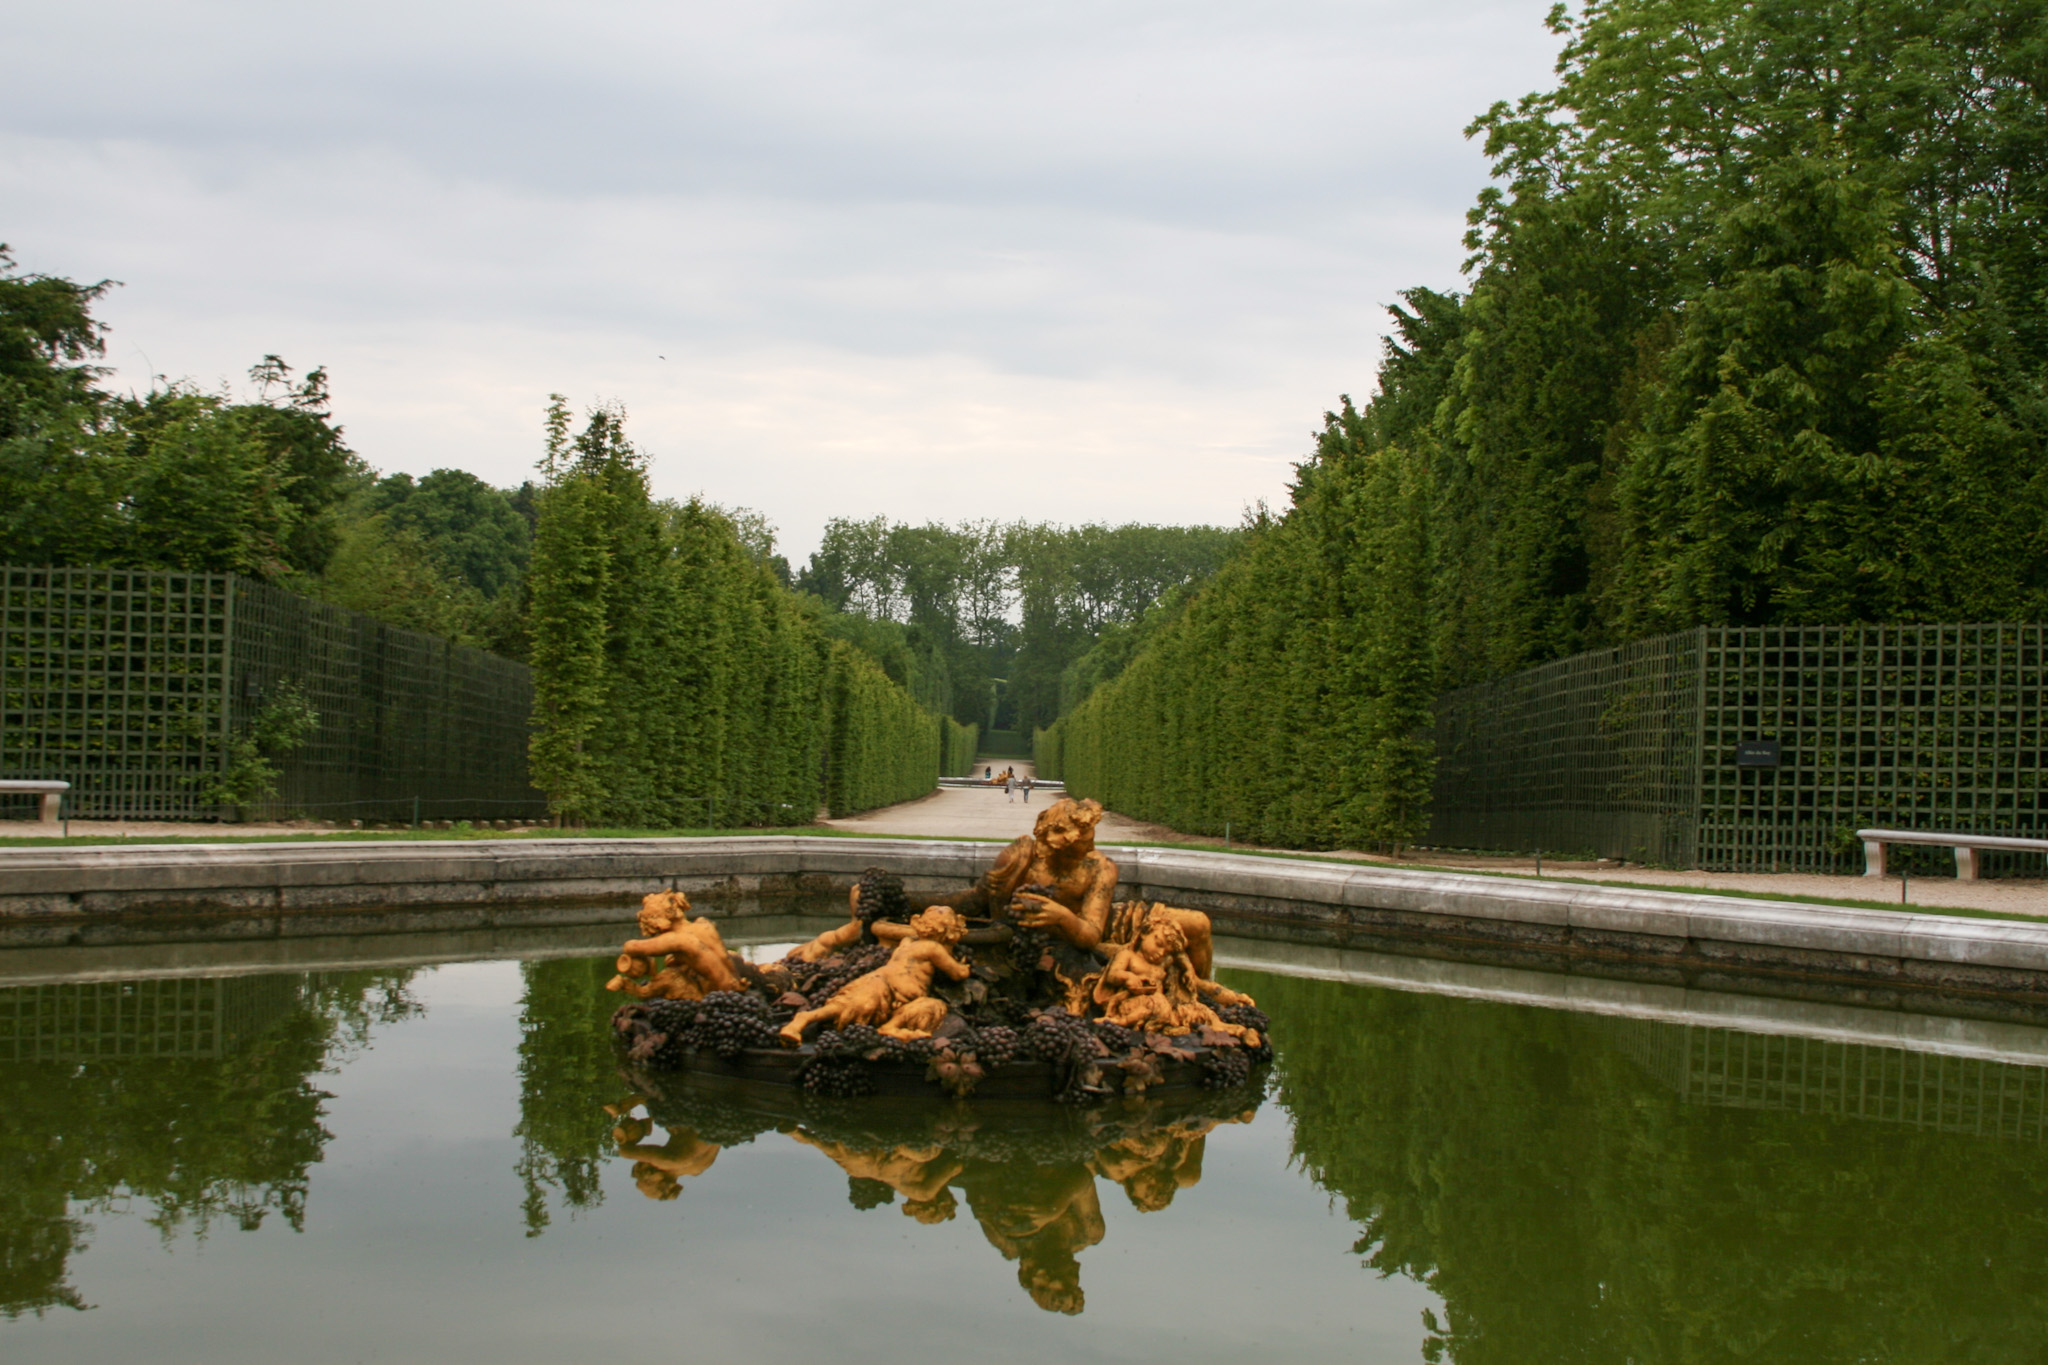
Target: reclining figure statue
(896, 997)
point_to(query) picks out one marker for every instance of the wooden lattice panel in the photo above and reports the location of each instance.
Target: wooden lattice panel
(129, 684)
(1632, 752)
(1727, 1068)
(116, 681)
(1591, 753)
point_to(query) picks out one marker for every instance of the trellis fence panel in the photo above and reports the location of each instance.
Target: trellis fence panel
(1632, 752)
(130, 685)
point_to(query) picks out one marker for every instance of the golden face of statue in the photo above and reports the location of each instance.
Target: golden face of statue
(1162, 940)
(940, 923)
(662, 911)
(1068, 825)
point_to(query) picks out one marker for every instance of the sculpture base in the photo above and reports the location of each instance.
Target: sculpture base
(1016, 1080)
(1056, 1056)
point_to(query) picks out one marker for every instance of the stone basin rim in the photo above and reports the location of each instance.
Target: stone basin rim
(1304, 900)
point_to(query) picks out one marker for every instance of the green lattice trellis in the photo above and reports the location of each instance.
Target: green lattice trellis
(128, 684)
(1726, 1068)
(1631, 752)
(83, 1021)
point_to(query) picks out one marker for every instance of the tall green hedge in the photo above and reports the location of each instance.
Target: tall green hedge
(958, 744)
(1756, 335)
(678, 682)
(1286, 702)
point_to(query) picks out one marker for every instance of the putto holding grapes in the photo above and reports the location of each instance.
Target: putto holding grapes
(1035, 980)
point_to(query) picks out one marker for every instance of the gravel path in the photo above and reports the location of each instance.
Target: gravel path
(984, 813)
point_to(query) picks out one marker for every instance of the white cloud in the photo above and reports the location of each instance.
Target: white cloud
(896, 254)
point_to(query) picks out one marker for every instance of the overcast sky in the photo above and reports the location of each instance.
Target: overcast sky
(1071, 261)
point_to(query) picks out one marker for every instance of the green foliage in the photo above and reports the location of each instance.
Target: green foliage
(1566, 1185)
(1287, 700)
(1756, 335)
(678, 681)
(181, 479)
(199, 1141)
(568, 1071)
(249, 772)
(176, 479)
(993, 614)
(47, 332)
(881, 746)
(473, 529)
(446, 554)
(293, 422)
(958, 745)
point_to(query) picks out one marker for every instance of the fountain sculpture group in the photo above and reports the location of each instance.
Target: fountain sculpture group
(1035, 979)
(1034, 982)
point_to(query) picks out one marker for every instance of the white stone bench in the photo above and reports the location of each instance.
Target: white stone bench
(1967, 847)
(51, 792)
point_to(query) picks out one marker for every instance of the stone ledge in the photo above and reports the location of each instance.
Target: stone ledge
(286, 888)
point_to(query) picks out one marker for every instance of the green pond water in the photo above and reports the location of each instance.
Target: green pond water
(425, 1151)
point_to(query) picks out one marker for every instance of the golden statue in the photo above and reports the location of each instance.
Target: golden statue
(832, 940)
(1152, 985)
(1154, 1165)
(1041, 1211)
(693, 958)
(1060, 853)
(896, 997)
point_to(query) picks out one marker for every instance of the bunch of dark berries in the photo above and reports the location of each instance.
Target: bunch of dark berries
(881, 896)
(838, 1077)
(1056, 1036)
(996, 1045)
(1224, 1067)
(730, 1022)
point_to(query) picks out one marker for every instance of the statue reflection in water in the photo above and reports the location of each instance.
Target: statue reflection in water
(1033, 1186)
(659, 1171)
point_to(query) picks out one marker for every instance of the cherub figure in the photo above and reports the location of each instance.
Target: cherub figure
(896, 997)
(1132, 990)
(1151, 985)
(679, 959)
(918, 1173)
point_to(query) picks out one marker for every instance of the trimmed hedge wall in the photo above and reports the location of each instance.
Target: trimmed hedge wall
(1288, 700)
(678, 683)
(959, 744)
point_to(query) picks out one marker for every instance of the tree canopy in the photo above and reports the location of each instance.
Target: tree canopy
(991, 615)
(1757, 333)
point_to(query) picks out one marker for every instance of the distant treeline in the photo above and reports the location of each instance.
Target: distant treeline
(988, 621)
(1757, 333)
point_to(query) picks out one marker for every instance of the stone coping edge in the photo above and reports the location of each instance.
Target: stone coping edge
(1312, 897)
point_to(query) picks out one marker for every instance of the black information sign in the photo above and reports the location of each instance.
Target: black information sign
(1758, 753)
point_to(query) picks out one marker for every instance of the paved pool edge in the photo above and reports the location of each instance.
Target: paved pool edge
(136, 893)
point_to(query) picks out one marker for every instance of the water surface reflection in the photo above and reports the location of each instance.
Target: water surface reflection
(450, 1162)
(1028, 1171)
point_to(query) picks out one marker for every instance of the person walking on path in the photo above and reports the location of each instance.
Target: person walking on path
(1027, 788)
(1009, 783)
